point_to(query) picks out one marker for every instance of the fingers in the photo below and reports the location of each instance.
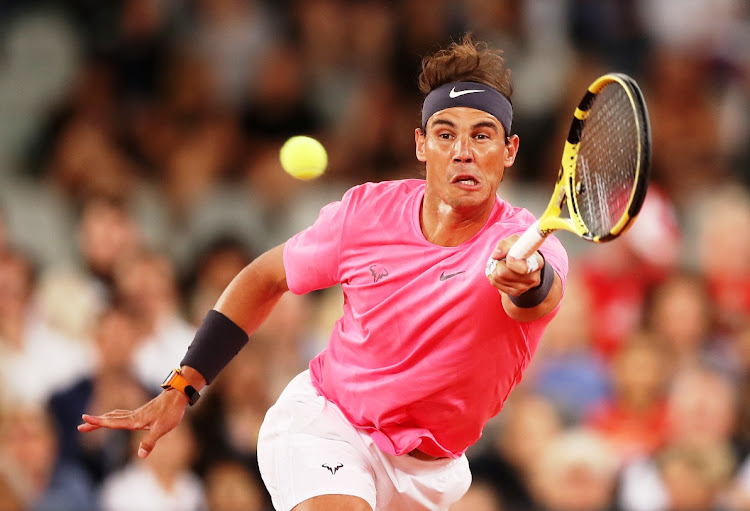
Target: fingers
(510, 277)
(531, 264)
(116, 419)
(503, 246)
(86, 427)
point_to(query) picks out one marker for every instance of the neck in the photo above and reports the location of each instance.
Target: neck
(447, 227)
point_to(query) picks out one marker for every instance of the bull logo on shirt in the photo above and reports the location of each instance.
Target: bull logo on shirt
(378, 271)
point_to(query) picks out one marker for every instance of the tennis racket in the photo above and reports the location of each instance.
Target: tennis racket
(604, 172)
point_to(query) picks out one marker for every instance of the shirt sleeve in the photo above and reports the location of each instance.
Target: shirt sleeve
(555, 254)
(311, 257)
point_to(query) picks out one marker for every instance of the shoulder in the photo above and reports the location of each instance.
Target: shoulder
(396, 188)
(380, 194)
(507, 213)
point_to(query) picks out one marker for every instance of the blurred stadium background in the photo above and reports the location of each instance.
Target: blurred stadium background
(139, 172)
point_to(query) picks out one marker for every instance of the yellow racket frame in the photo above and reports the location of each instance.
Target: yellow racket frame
(565, 187)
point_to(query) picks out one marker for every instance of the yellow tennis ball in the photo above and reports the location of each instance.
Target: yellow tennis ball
(303, 157)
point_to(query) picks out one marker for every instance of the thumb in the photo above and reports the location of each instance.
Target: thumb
(149, 441)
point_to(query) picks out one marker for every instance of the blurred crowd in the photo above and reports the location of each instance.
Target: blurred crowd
(139, 173)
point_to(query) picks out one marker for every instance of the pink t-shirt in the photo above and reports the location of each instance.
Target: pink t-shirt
(424, 354)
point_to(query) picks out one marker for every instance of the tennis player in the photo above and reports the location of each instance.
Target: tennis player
(428, 346)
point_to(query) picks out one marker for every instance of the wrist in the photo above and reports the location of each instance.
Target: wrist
(196, 379)
(536, 295)
(174, 395)
(176, 381)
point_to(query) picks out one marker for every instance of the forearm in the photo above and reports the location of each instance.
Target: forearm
(243, 306)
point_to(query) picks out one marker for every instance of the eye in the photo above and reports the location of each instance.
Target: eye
(445, 136)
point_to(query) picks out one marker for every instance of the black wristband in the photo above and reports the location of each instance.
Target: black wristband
(536, 295)
(215, 344)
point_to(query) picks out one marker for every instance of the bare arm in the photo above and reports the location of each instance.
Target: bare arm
(254, 292)
(248, 300)
(510, 279)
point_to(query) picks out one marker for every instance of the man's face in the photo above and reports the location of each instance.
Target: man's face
(466, 156)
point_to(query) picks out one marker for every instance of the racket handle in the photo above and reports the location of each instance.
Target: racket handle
(528, 243)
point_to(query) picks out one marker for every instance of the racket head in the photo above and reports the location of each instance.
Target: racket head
(607, 159)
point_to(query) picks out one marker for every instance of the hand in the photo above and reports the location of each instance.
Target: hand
(510, 275)
(159, 416)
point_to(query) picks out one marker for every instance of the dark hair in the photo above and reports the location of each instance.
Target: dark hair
(466, 61)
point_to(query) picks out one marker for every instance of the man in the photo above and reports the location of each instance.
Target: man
(428, 347)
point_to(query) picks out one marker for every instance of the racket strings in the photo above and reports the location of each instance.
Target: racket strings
(608, 160)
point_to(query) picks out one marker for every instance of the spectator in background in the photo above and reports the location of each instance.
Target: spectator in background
(3, 230)
(10, 494)
(214, 268)
(619, 275)
(71, 296)
(737, 497)
(35, 360)
(232, 37)
(28, 445)
(482, 496)
(231, 486)
(722, 233)
(741, 373)
(577, 471)
(610, 31)
(284, 337)
(634, 419)
(687, 152)
(164, 482)
(277, 104)
(140, 51)
(567, 370)
(229, 419)
(680, 313)
(701, 416)
(110, 384)
(696, 478)
(146, 286)
(87, 160)
(528, 426)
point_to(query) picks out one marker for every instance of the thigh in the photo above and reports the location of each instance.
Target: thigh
(333, 503)
(306, 451)
(427, 485)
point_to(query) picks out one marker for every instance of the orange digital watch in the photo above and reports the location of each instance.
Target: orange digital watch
(175, 380)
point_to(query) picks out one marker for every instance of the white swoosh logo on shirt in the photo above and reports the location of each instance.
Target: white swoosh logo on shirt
(454, 94)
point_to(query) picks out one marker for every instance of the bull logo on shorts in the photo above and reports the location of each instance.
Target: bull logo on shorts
(332, 469)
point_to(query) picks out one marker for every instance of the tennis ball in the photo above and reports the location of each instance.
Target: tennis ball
(303, 157)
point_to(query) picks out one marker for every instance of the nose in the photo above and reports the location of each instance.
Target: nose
(462, 150)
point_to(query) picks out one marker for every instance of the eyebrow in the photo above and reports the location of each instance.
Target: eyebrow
(481, 124)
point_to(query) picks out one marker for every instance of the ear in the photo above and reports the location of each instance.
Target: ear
(419, 141)
(511, 150)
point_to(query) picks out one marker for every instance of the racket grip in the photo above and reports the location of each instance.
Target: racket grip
(528, 243)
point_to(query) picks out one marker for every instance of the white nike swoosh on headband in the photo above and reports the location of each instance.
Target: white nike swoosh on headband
(454, 94)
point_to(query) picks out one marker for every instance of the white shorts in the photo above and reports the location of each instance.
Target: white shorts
(307, 448)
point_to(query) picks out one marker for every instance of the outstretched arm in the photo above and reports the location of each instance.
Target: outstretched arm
(247, 301)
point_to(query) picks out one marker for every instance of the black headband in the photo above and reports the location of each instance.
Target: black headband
(471, 95)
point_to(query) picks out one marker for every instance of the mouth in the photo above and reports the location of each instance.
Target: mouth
(466, 181)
